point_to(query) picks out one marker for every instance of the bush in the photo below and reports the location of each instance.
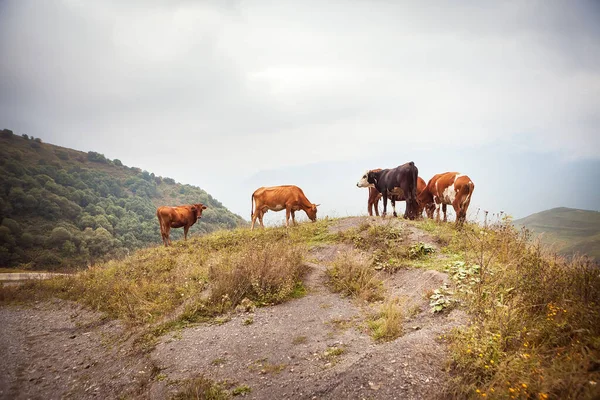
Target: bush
(353, 276)
(265, 273)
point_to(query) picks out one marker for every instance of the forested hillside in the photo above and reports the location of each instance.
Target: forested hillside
(62, 208)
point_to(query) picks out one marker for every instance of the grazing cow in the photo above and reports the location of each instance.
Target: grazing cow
(276, 198)
(375, 196)
(447, 188)
(177, 217)
(397, 183)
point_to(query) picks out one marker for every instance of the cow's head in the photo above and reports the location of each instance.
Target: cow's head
(367, 180)
(428, 207)
(197, 209)
(311, 212)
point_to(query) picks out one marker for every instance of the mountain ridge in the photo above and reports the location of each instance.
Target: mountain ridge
(568, 231)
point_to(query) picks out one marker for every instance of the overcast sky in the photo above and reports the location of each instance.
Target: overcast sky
(230, 96)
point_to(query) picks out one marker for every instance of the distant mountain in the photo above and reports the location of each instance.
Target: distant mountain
(65, 208)
(569, 231)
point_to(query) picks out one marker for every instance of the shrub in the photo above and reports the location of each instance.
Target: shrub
(353, 276)
(386, 324)
(265, 273)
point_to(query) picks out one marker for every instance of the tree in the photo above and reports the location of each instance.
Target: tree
(6, 133)
(58, 237)
(16, 197)
(68, 248)
(13, 225)
(6, 238)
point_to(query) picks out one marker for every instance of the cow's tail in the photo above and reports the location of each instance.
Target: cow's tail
(251, 206)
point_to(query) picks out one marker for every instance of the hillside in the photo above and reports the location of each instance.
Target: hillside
(348, 308)
(62, 208)
(567, 230)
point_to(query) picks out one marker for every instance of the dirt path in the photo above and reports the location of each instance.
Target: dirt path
(315, 347)
(60, 350)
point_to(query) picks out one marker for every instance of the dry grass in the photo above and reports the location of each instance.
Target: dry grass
(352, 275)
(201, 388)
(191, 281)
(386, 324)
(536, 327)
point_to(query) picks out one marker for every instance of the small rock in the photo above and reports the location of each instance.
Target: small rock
(72, 336)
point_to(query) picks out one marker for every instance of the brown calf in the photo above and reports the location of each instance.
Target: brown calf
(276, 198)
(177, 217)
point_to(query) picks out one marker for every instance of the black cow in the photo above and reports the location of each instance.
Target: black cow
(400, 182)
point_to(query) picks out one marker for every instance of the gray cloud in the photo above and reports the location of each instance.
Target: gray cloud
(209, 92)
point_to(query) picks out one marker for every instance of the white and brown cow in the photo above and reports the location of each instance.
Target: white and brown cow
(447, 188)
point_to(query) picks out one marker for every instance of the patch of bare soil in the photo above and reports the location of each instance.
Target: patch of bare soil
(315, 347)
(58, 350)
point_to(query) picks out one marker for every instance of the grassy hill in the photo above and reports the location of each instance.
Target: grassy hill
(62, 208)
(567, 230)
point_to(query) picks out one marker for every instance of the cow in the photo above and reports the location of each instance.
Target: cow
(396, 183)
(177, 217)
(375, 196)
(276, 198)
(447, 188)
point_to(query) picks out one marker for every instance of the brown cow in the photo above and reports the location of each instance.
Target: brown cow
(276, 198)
(375, 196)
(177, 217)
(447, 188)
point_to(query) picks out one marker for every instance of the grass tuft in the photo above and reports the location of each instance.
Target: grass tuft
(353, 276)
(386, 324)
(202, 388)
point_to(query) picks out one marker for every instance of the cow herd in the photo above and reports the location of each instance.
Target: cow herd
(398, 184)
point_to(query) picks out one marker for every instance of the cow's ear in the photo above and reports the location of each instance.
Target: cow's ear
(204, 207)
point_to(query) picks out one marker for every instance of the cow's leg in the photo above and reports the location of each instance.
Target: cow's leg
(383, 214)
(288, 211)
(393, 201)
(254, 215)
(163, 236)
(370, 207)
(437, 211)
(260, 218)
(294, 217)
(185, 231)
(376, 206)
(166, 235)
(444, 210)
